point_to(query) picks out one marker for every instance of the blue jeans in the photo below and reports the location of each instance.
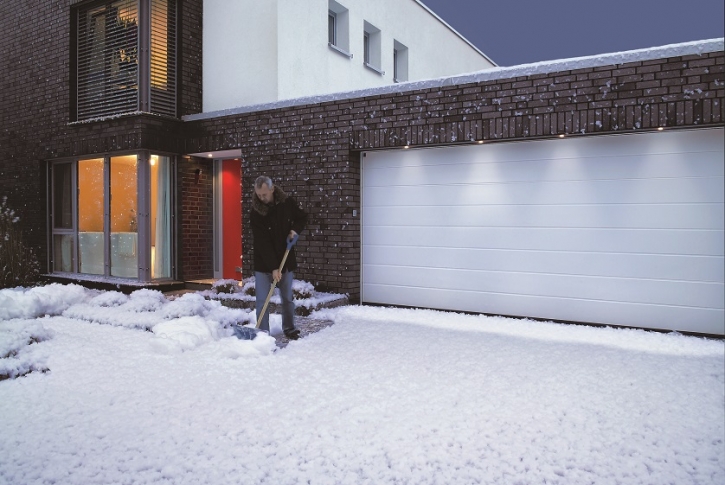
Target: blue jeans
(262, 283)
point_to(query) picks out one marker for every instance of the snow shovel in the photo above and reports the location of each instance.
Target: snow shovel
(246, 333)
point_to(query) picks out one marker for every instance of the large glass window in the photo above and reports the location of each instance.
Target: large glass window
(62, 217)
(160, 216)
(118, 209)
(90, 216)
(124, 216)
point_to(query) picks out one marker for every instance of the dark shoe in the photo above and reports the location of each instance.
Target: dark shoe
(293, 334)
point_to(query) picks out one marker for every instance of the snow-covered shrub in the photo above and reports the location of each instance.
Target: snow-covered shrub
(16, 347)
(19, 265)
(38, 301)
(109, 299)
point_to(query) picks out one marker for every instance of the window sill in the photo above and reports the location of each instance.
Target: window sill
(373, 68)
(121, 115)
(339, 51)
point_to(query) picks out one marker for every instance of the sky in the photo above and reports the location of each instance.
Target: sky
(512, 32)
(152, 391)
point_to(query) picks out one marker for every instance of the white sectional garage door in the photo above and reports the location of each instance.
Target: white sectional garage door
(622, 229)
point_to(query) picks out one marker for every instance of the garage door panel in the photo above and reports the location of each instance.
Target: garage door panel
(484, 169)
(693, 144)
(626, 230)
(677, 267)
(703, 320)
(641, 216)
(632, 290)
(693, 243)
(647, 191)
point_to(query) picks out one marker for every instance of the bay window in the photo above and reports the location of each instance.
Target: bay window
(123, 58)
(111, 216)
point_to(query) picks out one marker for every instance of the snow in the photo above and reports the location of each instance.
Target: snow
(638, 55)
(304, 292)
(384, 396)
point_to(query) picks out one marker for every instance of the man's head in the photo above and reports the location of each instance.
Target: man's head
(264, 189)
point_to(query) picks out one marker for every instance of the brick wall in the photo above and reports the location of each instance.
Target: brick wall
(196, 231)
(34, 106)
(313, 150)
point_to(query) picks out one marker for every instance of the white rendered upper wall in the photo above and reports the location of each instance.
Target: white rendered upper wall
(264, 51)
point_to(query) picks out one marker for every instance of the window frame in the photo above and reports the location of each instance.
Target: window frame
(341, 44)
(331, 27)
(148, 48)
(143, 197)
(400, 62)
(372, 48)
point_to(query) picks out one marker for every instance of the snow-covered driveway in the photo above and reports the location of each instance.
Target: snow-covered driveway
(384, 396)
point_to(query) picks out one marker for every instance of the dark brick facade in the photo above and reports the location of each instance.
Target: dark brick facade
(196, 230)
(35, 105)
(312, 150)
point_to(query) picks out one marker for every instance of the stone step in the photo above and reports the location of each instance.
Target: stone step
(301, 309)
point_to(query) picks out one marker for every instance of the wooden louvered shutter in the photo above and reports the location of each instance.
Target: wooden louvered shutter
(163, 57)
(107, 62)
(126, 58)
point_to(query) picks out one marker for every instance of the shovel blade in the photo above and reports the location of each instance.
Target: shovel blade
(244, 333)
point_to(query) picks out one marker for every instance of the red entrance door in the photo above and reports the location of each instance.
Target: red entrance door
(231, 171)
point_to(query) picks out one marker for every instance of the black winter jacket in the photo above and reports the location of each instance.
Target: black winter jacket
(271, 225)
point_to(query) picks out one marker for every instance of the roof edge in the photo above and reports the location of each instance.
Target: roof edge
(522, 70)
(427, 8)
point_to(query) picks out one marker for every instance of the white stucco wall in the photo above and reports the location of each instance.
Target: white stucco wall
(258, 52)
(239, 53)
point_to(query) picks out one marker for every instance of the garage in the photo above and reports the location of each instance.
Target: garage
(612, 229)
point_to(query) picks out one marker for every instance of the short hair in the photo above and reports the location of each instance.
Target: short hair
(263, 180)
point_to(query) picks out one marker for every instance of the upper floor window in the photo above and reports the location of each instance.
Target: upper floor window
(400, 62)
(371, 47)
(338, 36)
(124, 58)
(331, 27)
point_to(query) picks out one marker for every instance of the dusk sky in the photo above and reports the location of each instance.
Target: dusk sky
(513, 32)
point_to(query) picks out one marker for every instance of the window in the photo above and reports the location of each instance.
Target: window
(400, 62)
(371, 47)
(331, 27)
(104, 224)
(124, 58)
(338, 37)
(366, 47)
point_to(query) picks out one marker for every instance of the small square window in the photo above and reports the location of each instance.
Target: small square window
(400, 62)
(338, 37)
(332, 27)
(366, 48)
(371, 47)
